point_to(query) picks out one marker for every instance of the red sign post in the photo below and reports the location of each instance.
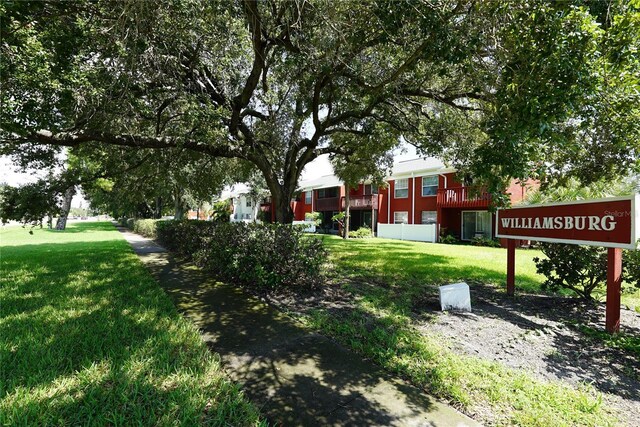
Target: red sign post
(610, 223)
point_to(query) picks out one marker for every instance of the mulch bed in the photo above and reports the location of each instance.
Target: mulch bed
(541, 334)
(536, 333)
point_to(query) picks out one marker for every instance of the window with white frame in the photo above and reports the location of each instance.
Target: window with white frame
(248, 203)
(401, 188)
(430, 185)
(307, 197)
(429, 217)
(401, 217)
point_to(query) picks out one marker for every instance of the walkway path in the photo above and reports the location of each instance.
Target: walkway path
(294, 376)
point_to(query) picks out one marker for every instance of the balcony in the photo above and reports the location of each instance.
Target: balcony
(327, 204)
(463, 197)
(369, 201)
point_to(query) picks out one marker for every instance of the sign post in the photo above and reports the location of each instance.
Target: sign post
(614, 282)
(511, 267)
(610, 223)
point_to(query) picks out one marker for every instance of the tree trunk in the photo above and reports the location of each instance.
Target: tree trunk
(178, 211)
(347, 211)
(281, 199)
(66, 207)
(158, 210)
(49, 221)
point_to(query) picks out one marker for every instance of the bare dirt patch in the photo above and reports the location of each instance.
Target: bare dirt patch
(542, 335)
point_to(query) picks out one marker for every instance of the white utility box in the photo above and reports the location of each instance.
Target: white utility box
(455, 297)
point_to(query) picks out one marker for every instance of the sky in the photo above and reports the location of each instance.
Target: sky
(321, 166)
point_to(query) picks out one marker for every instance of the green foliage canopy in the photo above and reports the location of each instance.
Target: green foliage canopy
(500, 89)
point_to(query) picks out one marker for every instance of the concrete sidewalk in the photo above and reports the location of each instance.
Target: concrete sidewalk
(295, 377)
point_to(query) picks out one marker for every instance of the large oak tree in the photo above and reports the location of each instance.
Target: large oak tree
(501, 89)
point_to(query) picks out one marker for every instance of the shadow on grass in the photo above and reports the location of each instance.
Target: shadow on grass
(394, 275)
(88, 337)
(398, 278)
(295, 377)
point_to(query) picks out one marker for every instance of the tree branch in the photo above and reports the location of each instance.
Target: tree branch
(255, 27)
(75, 139)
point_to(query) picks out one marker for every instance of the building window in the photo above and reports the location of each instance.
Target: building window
(369, 189)
(476, 224)
(248, 203)
(429, 185)
(429, 217)
(401, 188)
(307, 197)
(326, 193)
(401, 217)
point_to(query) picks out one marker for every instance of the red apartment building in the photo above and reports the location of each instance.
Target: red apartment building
(419, 191)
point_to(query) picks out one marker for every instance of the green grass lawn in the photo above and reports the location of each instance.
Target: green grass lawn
(88, 338)
(387, 276)
(408, 266)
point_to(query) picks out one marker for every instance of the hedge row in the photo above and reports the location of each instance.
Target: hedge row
(144, 227)
(260, 255)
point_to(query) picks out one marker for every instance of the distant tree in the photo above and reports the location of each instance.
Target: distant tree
(370, 161)
(50, 196)
(166, 182)
(502, 89)
(29, 203)
(571, 189)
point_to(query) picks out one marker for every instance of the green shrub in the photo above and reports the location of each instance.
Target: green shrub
(315, 217)
(485, 241)
(264, 216)
(449, 239)
(361, 233)
(182, 236)
(582, 269)
(631, 260)
(260, 255)
(221, 211)
(145, 227)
